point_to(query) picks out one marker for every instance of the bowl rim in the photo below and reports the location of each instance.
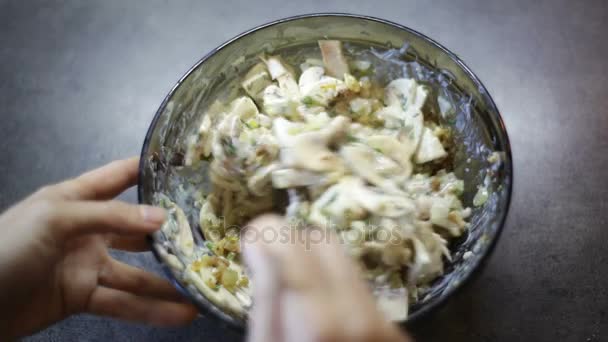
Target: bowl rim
(423, 311)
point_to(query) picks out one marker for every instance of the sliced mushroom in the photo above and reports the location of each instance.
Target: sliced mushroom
(169, 258)
(334, 60)
(418, 184)
(275, 67)
(398, 92)
(291, 178)
(210, 224)
(366, 163)
(406, 94)
(429, 250)
(264, 120)
(284, 77)
(263, 150)
(413, 126)
(177, 228)
(322, 92)
(200, 144)
(289, 86)
(354, 194)
(220, 296)
(260, 182)
(309, 150)
(444, 215)
(390, 254)
(336, 129)
(423, 207)
(309, 77)
(361, 106)
(383, 204)
(401, 152)
(230, 126)
(337, 206)
(419, 97)
(275, 101)
(392, 116)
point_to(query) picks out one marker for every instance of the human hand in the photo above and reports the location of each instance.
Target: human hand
(307, 291)
(54, 259)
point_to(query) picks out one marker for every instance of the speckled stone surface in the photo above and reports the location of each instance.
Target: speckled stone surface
(81, 80)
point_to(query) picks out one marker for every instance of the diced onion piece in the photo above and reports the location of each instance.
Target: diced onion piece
(309, 77)
(256, 80)
(275, 67)
(361, 65)
(481, 196)
(244, 108)
(430, 148)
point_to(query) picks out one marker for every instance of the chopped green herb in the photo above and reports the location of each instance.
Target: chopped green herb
(352, 138)
(163, 202)
(403, 101)
(309, 101)
(228, 146)
(209, 245)
(458, 188)
(231, 256)
(252, 123)
(332, 199)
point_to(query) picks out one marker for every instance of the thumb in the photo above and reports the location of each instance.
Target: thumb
(265, 316)
(69, 219)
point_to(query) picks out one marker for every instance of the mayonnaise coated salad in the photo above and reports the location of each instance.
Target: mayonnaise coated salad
(362, 159)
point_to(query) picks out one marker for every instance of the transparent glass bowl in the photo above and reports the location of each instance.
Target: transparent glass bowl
(477, 123)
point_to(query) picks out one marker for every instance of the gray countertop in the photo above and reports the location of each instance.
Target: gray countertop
(81, 80)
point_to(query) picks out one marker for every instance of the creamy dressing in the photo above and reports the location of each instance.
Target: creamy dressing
(357, 156)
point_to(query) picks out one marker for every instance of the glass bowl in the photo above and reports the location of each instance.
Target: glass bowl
(478, 127)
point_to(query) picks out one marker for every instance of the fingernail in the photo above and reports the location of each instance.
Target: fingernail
(152, 214)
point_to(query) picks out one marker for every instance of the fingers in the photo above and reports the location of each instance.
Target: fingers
(129, 243)
(298, 260)
(86, 217)
(266, 314)
(308, 278)
(105, 182)
(340, 269)
(127, 306)
(120, 276)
